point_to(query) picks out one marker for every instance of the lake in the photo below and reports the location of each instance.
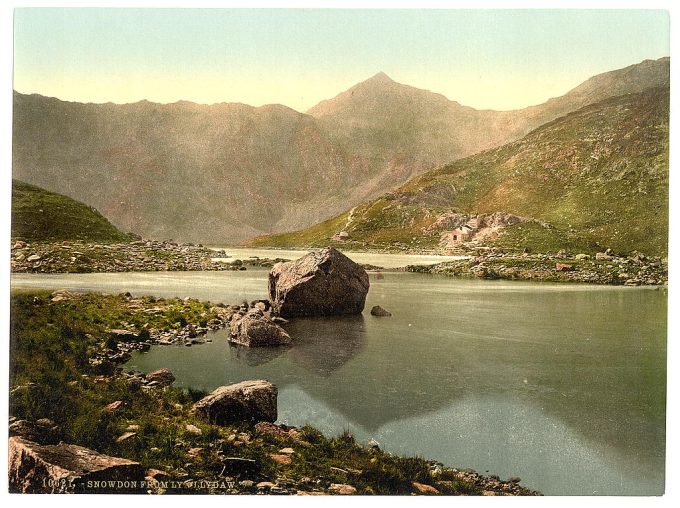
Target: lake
(373, 258)
(562, 385)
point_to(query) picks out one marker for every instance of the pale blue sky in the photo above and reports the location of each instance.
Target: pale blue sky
(485, 59)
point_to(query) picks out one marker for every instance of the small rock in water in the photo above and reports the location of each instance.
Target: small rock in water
(255, 330)
(380, 312)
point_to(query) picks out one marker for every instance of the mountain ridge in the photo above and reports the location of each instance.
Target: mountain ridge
(593, 179)
(229, 171)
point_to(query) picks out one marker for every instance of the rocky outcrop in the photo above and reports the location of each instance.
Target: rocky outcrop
(322, 283)
(253, 401)
(256, 330)
(63, 468)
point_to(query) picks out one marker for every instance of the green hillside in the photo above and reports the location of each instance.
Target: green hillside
(593, 179)
(39, 215)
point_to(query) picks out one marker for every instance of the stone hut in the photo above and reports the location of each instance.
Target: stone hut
(462, 234)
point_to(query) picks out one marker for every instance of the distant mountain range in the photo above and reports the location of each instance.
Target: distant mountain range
(223, 173)
(593, 179)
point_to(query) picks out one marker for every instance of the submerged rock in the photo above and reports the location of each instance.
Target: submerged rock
(253, 401)
(62, 468)
(321, 283)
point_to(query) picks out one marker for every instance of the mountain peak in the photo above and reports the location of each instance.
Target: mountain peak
(381, 77)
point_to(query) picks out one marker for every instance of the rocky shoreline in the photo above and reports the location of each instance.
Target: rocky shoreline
(136, 256)
(602, 268)
(236, 458)
(606, 267)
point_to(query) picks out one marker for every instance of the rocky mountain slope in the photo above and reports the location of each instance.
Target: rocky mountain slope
(385, 119)
(225, 172)
(182, 170)
(593, 179)
(45, 216)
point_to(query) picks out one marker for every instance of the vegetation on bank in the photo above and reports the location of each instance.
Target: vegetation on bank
(53, 337)
(593, 179)
(40, 215)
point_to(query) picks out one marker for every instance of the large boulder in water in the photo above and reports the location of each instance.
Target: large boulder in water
(62, 468)
(248, 401)
(321, 283)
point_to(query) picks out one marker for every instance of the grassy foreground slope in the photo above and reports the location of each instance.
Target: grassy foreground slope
(593, 179)
(40, 215)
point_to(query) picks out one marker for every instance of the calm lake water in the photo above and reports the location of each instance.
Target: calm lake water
(561, 385)
(373, 258)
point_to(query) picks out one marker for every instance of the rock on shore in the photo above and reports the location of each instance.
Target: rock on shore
(63, 468)
(253, 401)
(43, 431)
(321, 283)
(162, 377)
